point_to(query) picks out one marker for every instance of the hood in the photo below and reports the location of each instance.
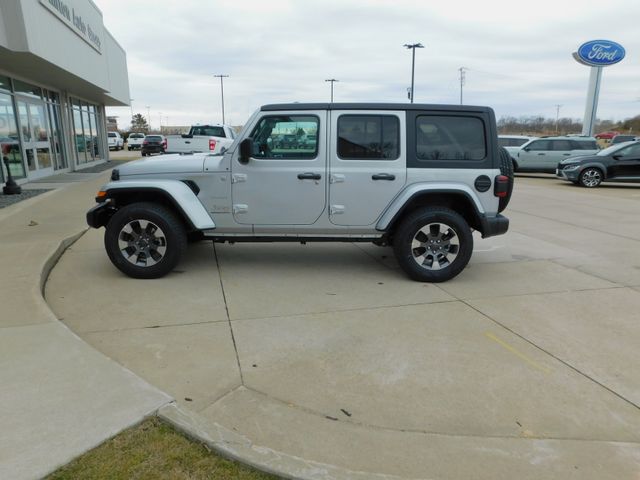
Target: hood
(579, 159)
(160, 164)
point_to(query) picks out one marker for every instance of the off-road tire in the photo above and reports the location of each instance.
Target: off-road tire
(409, 256)
(506, 169)
(171, 241)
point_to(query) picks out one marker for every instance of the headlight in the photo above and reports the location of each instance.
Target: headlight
(571, 167)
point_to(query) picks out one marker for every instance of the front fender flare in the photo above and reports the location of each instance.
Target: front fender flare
(176, 191)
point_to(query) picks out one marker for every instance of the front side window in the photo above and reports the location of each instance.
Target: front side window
(630, 151)
(539, 146)
(286, 136)
(368, 137)
(450, 138)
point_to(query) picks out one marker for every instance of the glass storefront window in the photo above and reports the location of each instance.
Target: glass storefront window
(81, 141)
(27, 89)
(5, 83)
(9, 139)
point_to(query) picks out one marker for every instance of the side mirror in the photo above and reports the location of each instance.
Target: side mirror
(617, 157)
(245, 150)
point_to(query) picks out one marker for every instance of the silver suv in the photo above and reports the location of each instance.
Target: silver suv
(417, 177)
(543, 154)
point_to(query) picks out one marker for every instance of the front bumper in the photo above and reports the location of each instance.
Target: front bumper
(99, 215)
(571, 175)
(494, 225)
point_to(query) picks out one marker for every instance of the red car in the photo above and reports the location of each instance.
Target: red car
(606, 135)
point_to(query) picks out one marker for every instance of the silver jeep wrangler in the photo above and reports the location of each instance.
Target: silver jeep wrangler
(417, 177)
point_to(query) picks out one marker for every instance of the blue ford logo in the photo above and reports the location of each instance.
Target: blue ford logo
(600, 53)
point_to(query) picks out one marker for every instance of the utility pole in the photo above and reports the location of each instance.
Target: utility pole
(557, 116)
(222, 93)
(160, 117)
(463, 80)
(332, 80)
(412, 47)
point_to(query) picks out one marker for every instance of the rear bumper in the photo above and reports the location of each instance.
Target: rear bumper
(494, 225)
(99, 215)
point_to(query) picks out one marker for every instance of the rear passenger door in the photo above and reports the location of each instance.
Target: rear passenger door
(367, 164)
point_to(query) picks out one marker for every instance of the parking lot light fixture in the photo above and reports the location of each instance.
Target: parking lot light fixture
(412, 47)
(332, 80)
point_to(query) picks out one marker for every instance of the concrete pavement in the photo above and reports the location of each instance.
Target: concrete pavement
(59, 396)
(324, 361)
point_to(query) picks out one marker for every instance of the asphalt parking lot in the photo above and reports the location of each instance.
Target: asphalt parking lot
(524, 366)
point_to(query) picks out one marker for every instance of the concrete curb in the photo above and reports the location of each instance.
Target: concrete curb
(235, 446)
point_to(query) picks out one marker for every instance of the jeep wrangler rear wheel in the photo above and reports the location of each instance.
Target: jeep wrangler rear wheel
(145, 240)
(433, 244)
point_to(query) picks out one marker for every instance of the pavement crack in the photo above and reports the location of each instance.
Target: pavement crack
(226, 309)
(555, 357)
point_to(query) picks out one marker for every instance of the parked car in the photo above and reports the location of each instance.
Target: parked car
(543, 154)
(423, 200)
(622, 138)
(617, 163)
(153, 144)
(512, 143)
(134, 141)
(606, 135)
(202, 139)
(115, 141)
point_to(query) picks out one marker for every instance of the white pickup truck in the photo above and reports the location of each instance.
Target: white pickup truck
(202, 139)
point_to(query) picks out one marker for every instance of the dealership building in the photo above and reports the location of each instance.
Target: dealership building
(59, 68)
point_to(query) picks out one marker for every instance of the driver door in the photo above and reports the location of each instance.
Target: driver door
(283, 183)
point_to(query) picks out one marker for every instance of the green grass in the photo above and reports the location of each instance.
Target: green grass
(154, 450)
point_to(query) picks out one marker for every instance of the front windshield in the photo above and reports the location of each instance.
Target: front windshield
(612, 149)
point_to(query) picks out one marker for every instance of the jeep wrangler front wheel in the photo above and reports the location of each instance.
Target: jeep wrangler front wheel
(433, 244)
(145, 240)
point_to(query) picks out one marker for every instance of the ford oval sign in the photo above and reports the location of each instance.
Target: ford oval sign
(600, 53)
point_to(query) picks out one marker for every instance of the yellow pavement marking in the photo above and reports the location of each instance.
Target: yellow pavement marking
(513, 350)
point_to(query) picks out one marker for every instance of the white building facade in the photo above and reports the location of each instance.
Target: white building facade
(59, 68)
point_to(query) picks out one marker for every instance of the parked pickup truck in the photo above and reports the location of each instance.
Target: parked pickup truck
(202, 139)
(415, 177)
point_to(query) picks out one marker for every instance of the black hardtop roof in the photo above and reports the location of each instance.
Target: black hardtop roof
(372, 106)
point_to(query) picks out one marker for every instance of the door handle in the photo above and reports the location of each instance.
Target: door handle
(309, 176)
(541, 154)
(383, 176)
(187, 141)
(566, 154)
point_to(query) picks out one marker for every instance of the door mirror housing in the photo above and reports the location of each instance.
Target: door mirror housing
(245, 150)
(617, 157)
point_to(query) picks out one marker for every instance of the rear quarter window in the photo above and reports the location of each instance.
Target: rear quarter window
(456, 138)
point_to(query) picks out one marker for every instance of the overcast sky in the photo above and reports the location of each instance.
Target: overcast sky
(518, 54)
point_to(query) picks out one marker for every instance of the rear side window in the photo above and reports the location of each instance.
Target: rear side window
(561, 145)
(450, 138)
(368, 137)
(588, 145)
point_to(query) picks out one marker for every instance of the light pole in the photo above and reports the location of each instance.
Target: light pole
(148, 117)
(222, 93)
(131, 105)
(412, 47)
(463, 78)
(557, 116)
(160, 117)
(332, 80)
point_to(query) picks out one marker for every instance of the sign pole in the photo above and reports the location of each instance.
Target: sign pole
(593, 92)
